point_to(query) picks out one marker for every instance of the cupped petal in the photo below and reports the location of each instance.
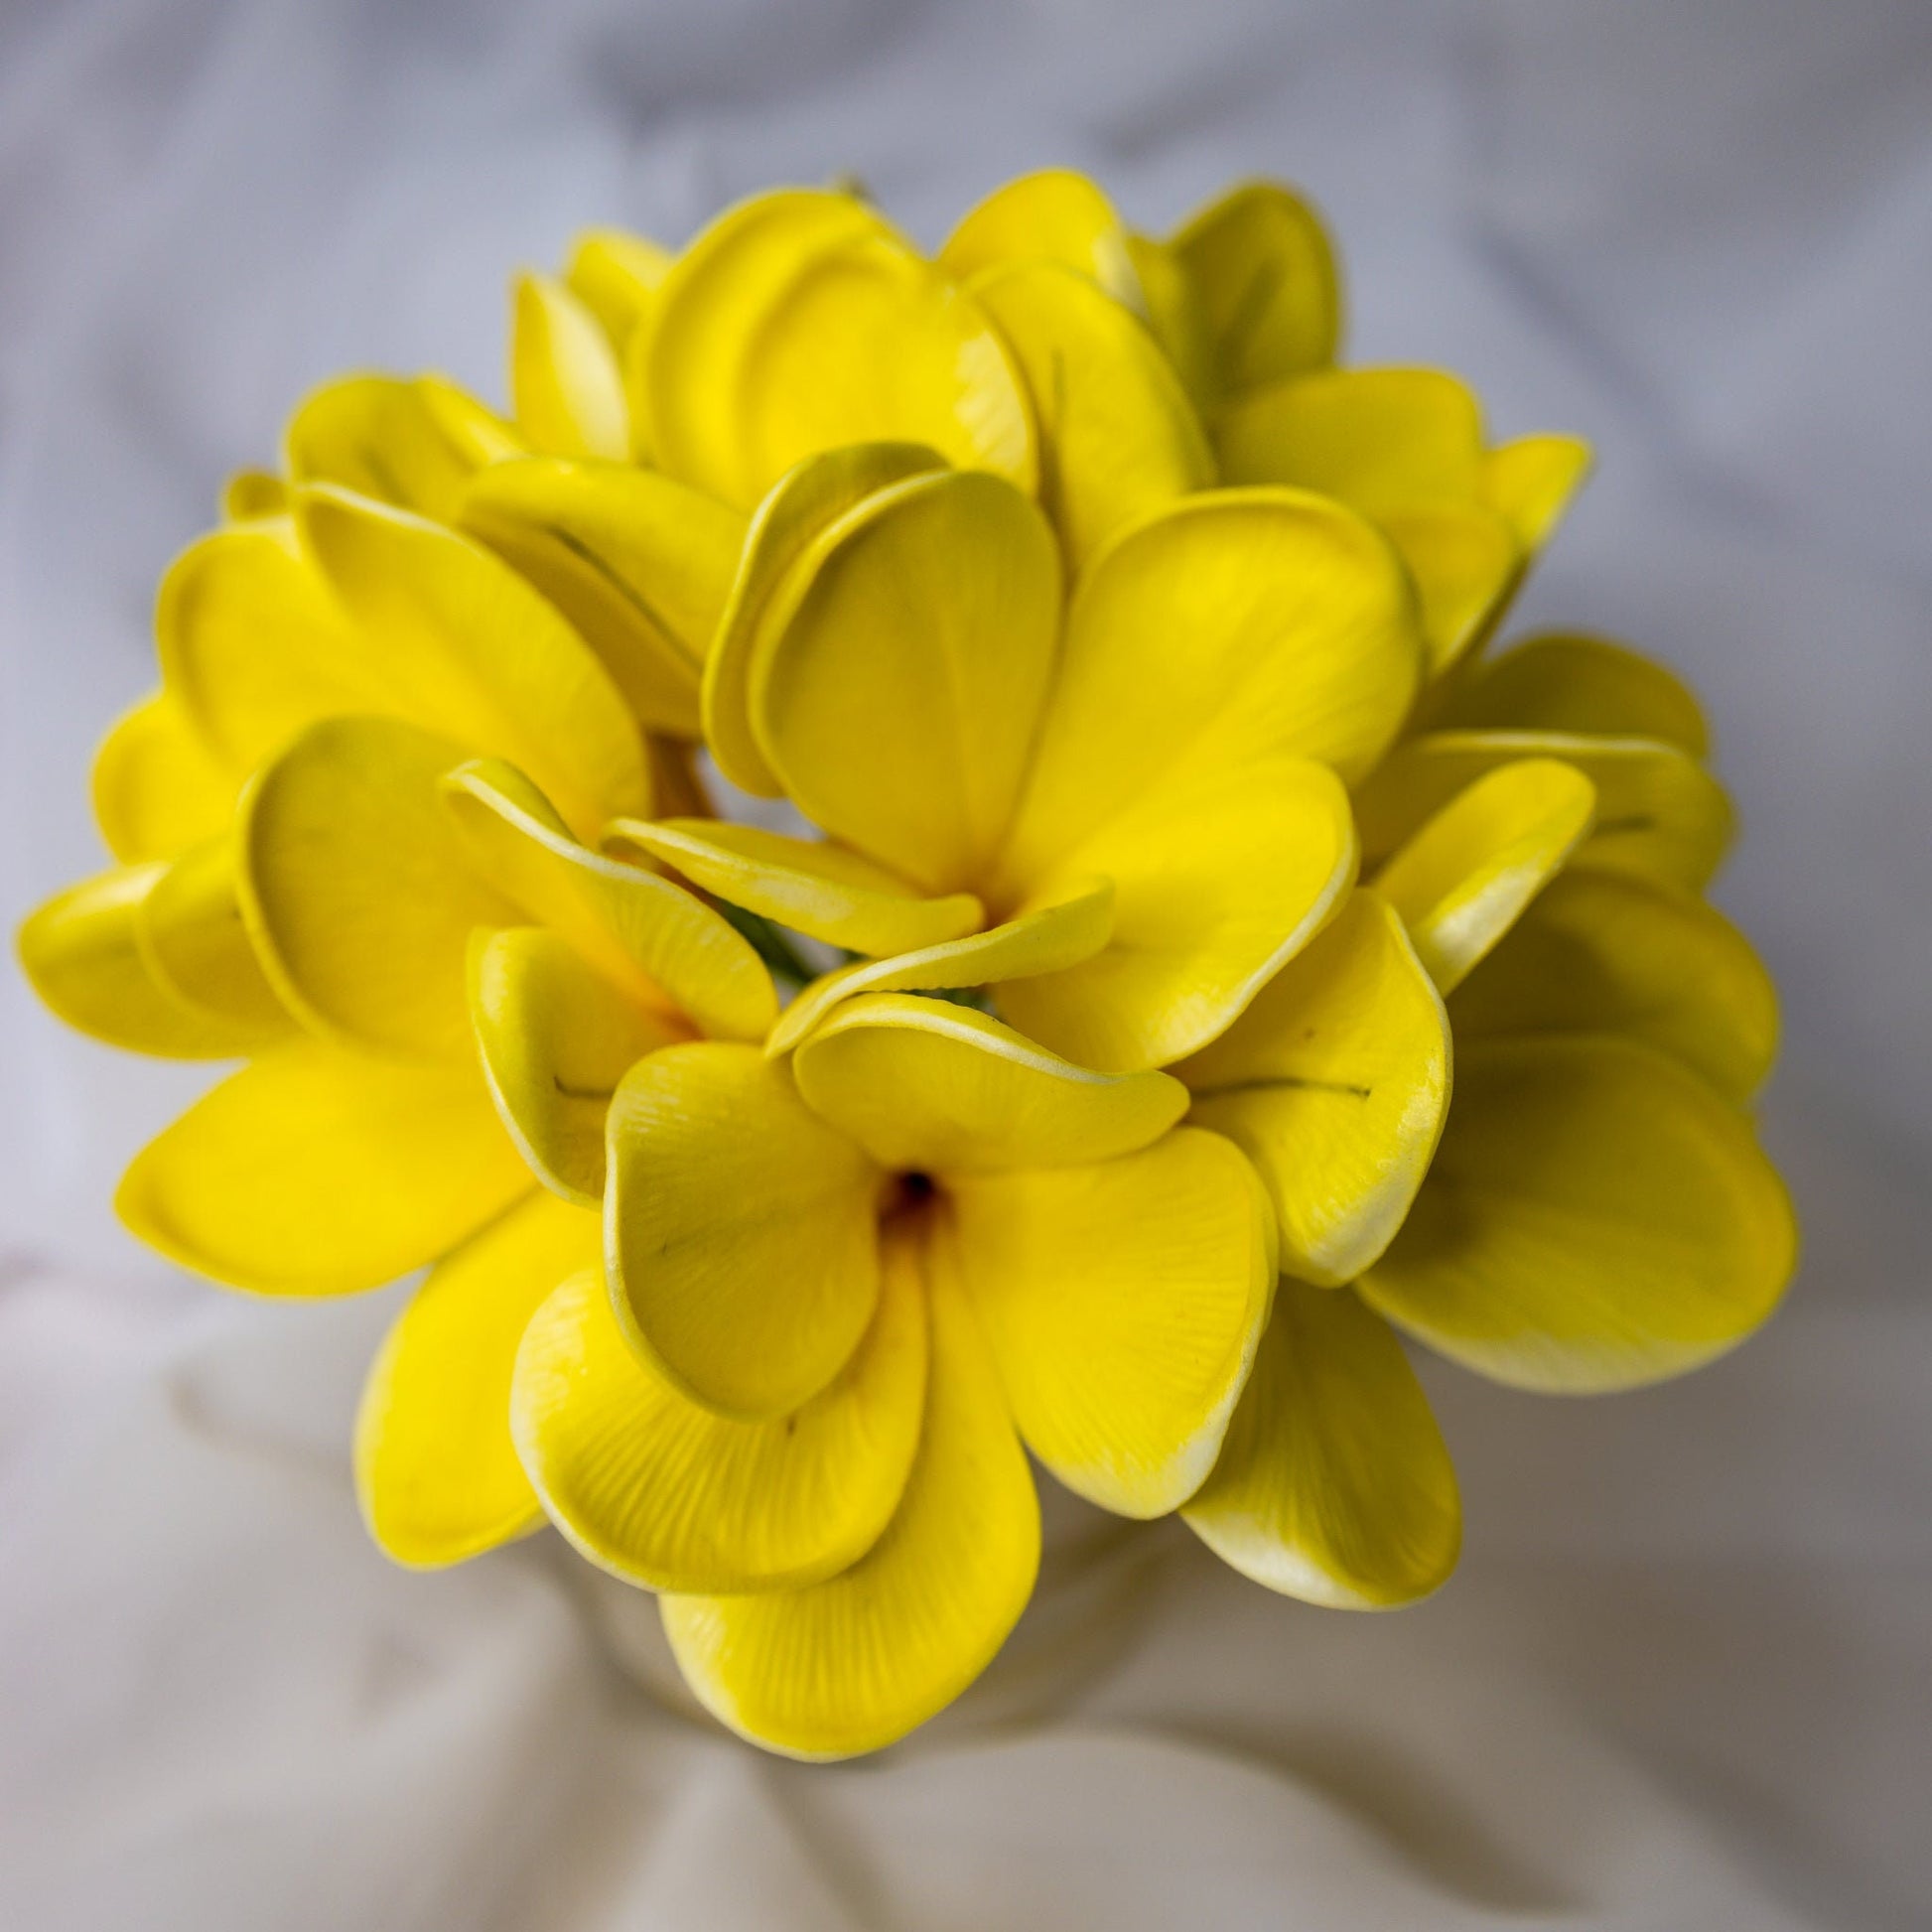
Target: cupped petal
(1659, 813)
(1119, 436)
(436, 1470)
(799, 509)
(410, 442)
(640, 565)
(1236, 625)
(556, 1038)
(191, 928)
(357, 888)
(1335, 1083)
(472, 650)
(1597, 952)
(566, 383)
(1466, 564)
(1122, 1302)
(1334, 1484)
(1462, 880)
(254, 647)
(666, 1494)
(1263, 281)
(1052, 216)
(741, 1230)
(1596, 1218)
(809, 884)
(81, 953)
(319, 1172)
(854, 1663)
(616, 276)
(799, 322)
(1219, 875)
(1565, 682)
(898, 697)
(646, 933)
(1530, 482)
(925, 1086)
(1048, 937)
(157, 787)
(1379, 439)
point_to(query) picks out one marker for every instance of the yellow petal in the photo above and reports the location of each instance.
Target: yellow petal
(82, 955)
(1333, 1484)
(1530, 482)
(1118, 434)
(1467, 566)
(640, 565)
(318, 1172)
(797, 512)
(1054, 215)
(852, 1662)
(436, 1470)
(473, 651)
(617, 277)
(1122, 1302)
(357, 887)
(799, 322)
(157, 787)
(1048, 937)
(250, 493)
(565, 379)
(1334, 1083)
(1562, 682)
(1219, 874)
(643, 931)
(741, 1246)
(1378, 439)
(191, 928)
(556, 1038)
(254, 647)
(1463, 877)
(1659, 813)
(1263, 278)
(1598, 953)
(898, 699)
(401, 441)
(1176, 317)
(805, 883)
(1596, 1218)
(929, 1087)
(668, 1495)
(1238, 624)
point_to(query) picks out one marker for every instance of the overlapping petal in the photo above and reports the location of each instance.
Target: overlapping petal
(851, 1664)
(157, 788)
(436, 1470)
(1560, 681)
(741, 1241)
(566, 383)
(1335, 1083)
(1602, 952)
(190, 930)
(670, 1495)
(1053, 216)
(898, 699)
(1123, 1301)
(1333, 1484)
(1659, 813)
(929, 1087)
(1463, 877)
(1596, 1217)
(314, 1171)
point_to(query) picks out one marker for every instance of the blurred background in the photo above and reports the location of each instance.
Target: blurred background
(1681, 1677)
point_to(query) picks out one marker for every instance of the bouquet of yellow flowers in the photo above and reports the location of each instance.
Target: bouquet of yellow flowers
(884, 880)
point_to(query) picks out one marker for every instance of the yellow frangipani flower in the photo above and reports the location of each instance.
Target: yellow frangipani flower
(1125, 659)
(841, 1282)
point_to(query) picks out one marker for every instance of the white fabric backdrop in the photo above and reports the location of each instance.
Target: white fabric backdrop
(1683, 1679)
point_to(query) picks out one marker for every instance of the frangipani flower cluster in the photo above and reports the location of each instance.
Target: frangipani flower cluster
(1179, 954)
